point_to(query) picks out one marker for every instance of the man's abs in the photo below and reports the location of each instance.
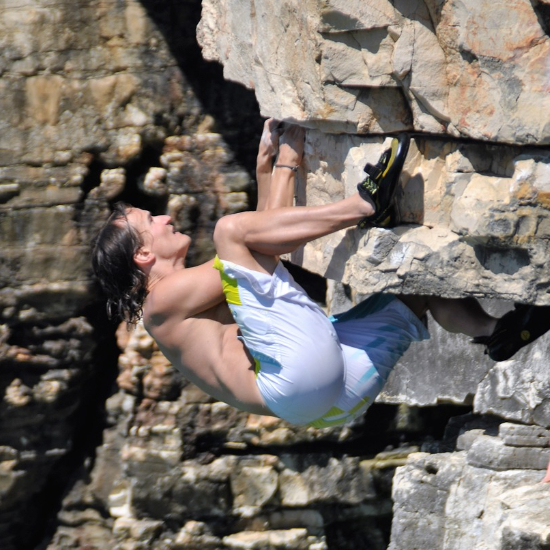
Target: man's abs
(207, 351)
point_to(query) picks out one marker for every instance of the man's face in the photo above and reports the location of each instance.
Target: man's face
(158, 234)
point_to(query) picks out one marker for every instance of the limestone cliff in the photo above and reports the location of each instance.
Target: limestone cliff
(471, 81)
(105, 101)
(95, 108)
(461, 68)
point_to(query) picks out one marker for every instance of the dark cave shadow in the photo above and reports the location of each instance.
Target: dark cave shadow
(233, 107)
(508, 261)
(542, 12)
(409, 200)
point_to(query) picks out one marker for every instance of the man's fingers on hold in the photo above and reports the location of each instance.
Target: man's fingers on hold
(295, 131)
(293, 134)
(272, 124)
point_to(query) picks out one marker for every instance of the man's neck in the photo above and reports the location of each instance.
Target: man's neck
(160, 270)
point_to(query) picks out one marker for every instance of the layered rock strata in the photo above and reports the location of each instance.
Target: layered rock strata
(46, 381)
(473, 220)
(463, 68)
(475, 213)
(177, 470)
(486, 495)
(97, 107)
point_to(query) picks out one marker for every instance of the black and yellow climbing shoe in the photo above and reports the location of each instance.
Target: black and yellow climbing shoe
(381, 183)
(514, 330)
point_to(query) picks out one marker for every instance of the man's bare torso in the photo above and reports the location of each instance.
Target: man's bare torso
(204, 346)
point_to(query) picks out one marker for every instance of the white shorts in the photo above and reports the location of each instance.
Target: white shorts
(311, 369)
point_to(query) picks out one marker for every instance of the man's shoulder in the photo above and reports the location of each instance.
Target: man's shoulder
(184, 292)
(162, 297)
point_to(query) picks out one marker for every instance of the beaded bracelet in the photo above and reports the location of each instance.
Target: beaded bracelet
(293, 168)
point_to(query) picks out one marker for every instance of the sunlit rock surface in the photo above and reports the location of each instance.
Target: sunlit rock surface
(467, 69)
(105, 101)
(467, 77)
(474, 219)
(470, 80)
(484, 496)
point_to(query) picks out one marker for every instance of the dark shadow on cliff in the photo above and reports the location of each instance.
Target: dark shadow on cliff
(58, 438)
(497, 260)
(87, 211)
(409, 200)
(233, 107)
(542, 9)
(90, 422)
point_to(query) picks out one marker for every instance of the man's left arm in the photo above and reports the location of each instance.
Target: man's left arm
(267, 149)
(188, 292)
(291, 150)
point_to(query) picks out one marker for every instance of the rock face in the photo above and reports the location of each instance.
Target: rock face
(470, 81)
(43, 397)
(177, 470)
(95, 108)
(463, 68)
(110, 101)
(474, 220)
(476, 214)
(485, 496)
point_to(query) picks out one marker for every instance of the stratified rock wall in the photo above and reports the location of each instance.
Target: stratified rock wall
(177, 470)
(103, 101)
(474, 219)
(485, 496)
(95, 108)
(470, 69)
(465, 77)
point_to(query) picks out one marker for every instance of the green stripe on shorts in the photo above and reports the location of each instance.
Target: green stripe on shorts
(229, 285)
(337, 416)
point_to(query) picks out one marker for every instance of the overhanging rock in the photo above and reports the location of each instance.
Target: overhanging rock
(470, 79)
(464, 68)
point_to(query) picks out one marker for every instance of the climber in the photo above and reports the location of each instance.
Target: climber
(240, 328)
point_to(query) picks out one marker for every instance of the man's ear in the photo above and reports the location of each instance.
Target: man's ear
(144, 258)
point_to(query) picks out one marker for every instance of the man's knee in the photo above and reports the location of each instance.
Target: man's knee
(228, 230)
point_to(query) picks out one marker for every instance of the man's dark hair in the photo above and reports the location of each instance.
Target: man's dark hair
(113, 262)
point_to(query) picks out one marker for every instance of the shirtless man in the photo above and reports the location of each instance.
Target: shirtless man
(282, 357)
